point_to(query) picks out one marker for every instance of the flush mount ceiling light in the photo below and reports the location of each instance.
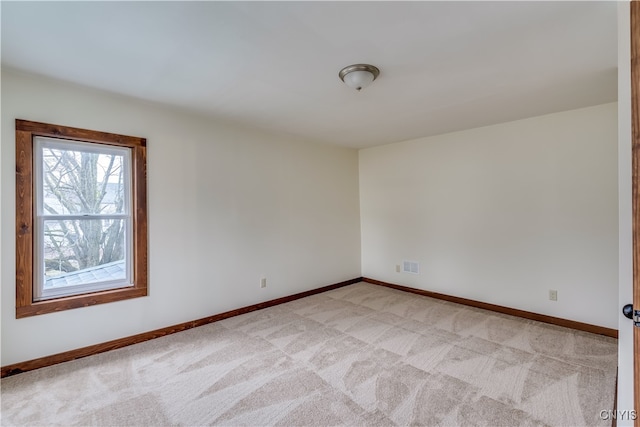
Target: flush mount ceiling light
(358, 76)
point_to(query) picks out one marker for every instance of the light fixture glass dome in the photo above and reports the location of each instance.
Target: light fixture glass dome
(358, 79)
(359, 76)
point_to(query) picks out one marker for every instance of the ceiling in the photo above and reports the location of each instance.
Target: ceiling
(273, 66)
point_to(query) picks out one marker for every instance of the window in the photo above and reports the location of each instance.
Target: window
(81, 235)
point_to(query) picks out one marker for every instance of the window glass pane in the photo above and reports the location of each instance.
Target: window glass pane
(78, 252)
(79, 182)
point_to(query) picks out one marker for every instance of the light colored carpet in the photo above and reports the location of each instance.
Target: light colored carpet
(358, 355)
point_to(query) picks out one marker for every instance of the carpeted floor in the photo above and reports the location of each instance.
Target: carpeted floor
(359, 355)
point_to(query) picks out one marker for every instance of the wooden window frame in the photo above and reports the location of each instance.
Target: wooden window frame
(26, 131)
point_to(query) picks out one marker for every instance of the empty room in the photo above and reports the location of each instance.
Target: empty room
(320, 213)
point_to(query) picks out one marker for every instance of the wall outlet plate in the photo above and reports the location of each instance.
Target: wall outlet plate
(263, 282)
(553, 295)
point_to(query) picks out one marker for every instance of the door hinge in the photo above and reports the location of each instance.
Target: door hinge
(632, 314)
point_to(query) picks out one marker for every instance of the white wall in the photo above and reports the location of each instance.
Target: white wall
(226, 207)
(625, 294)
(501, 214)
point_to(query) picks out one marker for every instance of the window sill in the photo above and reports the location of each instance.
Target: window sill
(78, 301)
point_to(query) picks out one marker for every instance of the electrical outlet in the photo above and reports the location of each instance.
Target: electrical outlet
(398, 268)
(263, 282)
(553, 295)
